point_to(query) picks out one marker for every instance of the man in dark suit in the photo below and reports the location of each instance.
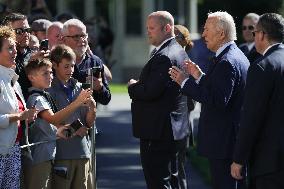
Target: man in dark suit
(248, 47)
(260, 140)
(220, 92)
(159, 110)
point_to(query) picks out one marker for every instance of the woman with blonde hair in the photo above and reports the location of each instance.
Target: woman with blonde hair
(183, 37)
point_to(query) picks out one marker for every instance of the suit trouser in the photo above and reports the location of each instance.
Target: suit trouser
(220, 170)
(273, 180)
(178, 164)
(156, 159)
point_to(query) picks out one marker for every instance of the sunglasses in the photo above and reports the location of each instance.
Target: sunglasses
(77, 37)
(20, 31)
(248, 27)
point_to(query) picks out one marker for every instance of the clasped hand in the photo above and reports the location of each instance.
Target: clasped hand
(190, 68)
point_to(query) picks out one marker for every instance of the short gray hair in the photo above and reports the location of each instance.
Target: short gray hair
(72, 22)
(252, 16)
(225, 22)
(55, 24)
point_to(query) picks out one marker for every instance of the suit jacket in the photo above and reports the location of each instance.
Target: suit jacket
(261, 135)
(221, 93)
(158, 107)
(252, 55)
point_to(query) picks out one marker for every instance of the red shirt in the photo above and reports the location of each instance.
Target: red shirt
(21, 109)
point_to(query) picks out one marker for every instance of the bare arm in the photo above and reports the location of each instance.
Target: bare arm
(58, 117)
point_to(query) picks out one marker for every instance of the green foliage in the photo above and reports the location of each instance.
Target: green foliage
(118, 88)
(201, 164)
(237, 8)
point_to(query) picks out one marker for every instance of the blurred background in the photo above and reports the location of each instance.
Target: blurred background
(117, 27)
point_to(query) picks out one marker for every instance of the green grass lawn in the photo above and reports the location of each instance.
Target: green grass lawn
(200, 163)
(118, 88)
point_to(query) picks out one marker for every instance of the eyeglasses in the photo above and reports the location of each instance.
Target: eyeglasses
(20, 31)
(254, 32)
(34, 49)
(248, 27)
(77, 37)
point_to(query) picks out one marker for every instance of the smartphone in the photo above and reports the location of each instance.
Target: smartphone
(76, 125)
(44, 45)
(96, 71)
(86, 85)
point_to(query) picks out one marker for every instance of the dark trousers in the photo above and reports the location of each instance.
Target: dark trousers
(178, 167)
(220, 170)
(156, 159)
(273, 180)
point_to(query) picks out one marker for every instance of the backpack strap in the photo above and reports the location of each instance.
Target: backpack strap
(48, 97)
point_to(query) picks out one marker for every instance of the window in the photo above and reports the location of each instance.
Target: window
(133, 17)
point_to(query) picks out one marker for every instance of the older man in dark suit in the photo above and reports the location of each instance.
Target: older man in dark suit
(159, 110)
(261, 136)
(221, 93)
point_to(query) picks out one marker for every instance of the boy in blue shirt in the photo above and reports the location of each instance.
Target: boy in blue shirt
(72, 160)
(47, 124)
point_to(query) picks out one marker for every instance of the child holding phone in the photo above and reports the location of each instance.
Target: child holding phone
(72, 160)
(47, 124)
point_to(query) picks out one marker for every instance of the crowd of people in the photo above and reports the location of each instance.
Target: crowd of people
(50, 83)
(241, 92)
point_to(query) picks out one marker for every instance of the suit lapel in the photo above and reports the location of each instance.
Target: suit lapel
(146, 68)
(275, 47)
(162, 47)
(216, 60)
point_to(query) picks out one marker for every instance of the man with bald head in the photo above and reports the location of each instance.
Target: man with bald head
(54, 34)
(159, 110)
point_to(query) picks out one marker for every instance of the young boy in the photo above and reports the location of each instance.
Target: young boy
(72, 160)
(38, 173)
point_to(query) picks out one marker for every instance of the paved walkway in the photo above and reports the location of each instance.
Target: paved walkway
(118, 163)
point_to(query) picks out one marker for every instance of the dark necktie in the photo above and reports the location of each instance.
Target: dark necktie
(213, 59)
(212, 64)
(153, 52)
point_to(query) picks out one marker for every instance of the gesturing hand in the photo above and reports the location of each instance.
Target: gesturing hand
(193, 69)
(177, 75)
